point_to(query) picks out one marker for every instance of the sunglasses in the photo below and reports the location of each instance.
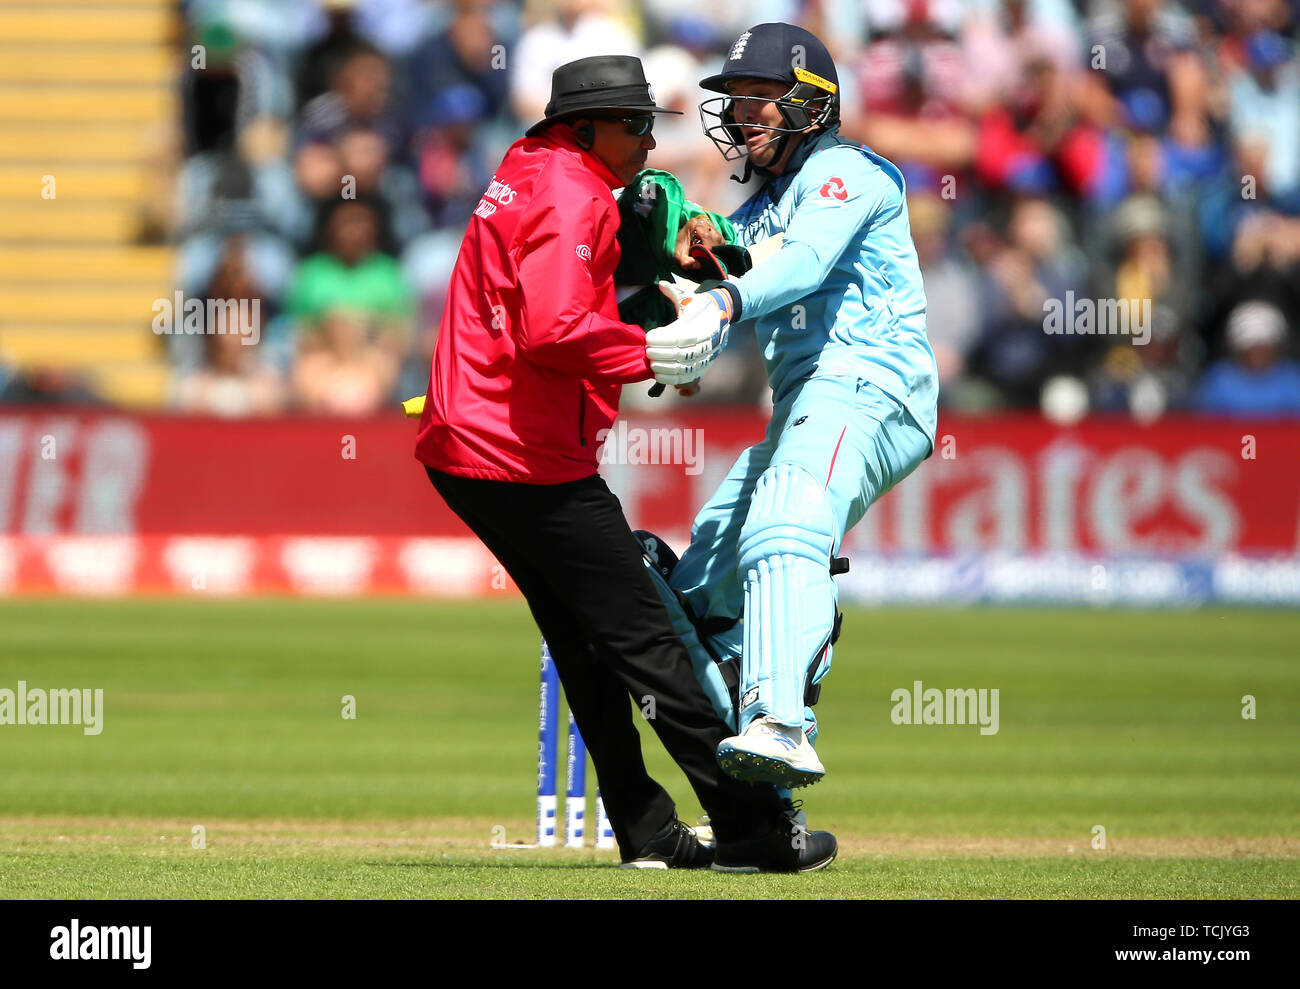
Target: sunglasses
(638, 126)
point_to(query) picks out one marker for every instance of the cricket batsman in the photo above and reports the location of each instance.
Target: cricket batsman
(839, 310)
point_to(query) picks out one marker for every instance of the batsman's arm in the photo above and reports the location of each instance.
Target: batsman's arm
(837, 201)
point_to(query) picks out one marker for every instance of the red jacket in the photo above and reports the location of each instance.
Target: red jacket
(531, 356)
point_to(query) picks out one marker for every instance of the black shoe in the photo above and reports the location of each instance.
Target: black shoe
(790, 848)
(675, 847)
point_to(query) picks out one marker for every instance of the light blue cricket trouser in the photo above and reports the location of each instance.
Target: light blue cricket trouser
(845, 432)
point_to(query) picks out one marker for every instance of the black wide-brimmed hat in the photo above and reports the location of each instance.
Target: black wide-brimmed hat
(598, 84)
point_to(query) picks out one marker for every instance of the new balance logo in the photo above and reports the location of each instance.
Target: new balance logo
(751, 695)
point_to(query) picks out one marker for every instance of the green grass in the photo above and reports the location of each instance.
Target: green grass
(369, 875)
(227, 714)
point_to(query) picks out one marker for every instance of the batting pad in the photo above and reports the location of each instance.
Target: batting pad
(785, 551)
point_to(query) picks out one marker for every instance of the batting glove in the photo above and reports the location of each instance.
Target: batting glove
(680, 352)
(677, 295)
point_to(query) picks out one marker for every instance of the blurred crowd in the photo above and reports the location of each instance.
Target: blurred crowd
(1121, 150)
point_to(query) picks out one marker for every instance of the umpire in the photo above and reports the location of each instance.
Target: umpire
(528, 367)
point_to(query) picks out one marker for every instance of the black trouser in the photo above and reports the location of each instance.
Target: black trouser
(570, 550)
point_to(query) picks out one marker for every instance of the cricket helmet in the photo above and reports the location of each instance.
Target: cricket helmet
(773, 52)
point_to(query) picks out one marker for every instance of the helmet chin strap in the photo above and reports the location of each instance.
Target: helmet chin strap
(780, 145)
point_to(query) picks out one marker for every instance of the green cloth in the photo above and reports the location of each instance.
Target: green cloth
(651, 213)
(375, 287)
(662, 203)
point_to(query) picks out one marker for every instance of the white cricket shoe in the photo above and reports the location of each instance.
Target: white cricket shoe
(769, 752)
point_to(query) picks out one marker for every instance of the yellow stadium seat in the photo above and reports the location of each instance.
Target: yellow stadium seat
(63, 63)
(83, 23)
(84, 104)
(93, 304)
(65, 222)
(49, 144)
(77, 183)
(77, 346)
(88, 99)
(139, 385)
(75, 265)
